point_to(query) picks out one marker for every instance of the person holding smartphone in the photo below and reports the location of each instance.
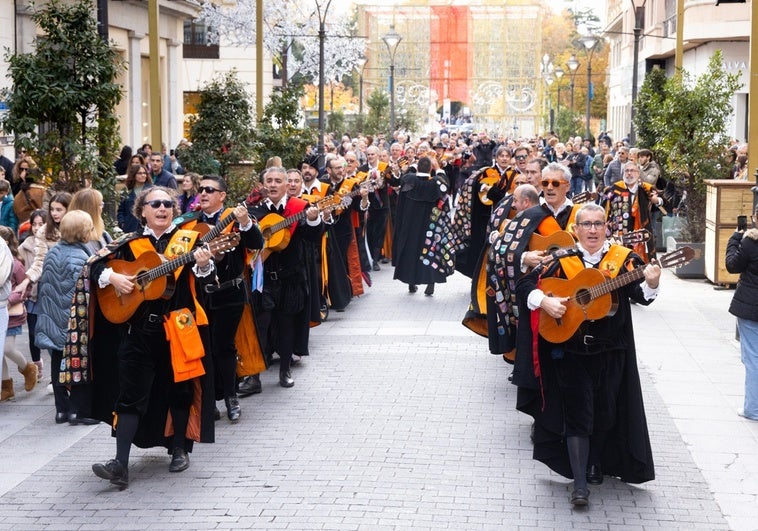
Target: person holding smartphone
(742, 258)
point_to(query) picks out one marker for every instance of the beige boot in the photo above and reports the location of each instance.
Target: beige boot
(39, 365)
(30, 376)
(7, 390)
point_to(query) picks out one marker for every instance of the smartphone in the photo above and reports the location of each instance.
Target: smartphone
(741, 222)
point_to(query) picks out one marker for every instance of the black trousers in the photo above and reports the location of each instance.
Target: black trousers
(376, 228)
(223, 330)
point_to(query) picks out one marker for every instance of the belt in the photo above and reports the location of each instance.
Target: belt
(233, 283)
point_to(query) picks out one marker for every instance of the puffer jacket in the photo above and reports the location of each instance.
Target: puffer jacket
(742, 258)
(60, 271)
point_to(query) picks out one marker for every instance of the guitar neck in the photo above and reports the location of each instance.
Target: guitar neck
(286, 222)
(616, 283)
(216, 230)
(166, 268)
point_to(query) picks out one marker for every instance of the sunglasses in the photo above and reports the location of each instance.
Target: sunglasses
(157, 203)
(208, 189)
(521, 157)
(556, 183)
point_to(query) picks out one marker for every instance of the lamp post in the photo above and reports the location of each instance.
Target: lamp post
(573, 66)
(546, 68)
(558, 73)
(589, 42)
(639, 14)
(361, 64)
(392, 39)
(321, 38)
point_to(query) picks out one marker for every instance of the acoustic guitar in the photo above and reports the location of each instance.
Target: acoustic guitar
(490, 178)
(562, 239)
(583, 197)
(153, 279)
(274, 227)
(592, 295)
(209, 232)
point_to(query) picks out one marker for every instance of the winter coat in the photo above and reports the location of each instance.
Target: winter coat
(742, 258)
(14, 298)
(7, 214)
(60, 271)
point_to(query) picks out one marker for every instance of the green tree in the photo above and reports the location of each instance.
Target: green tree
(220, 132)
(279, 133)
(336, 122)
(568, 124)
(378, 119)
(648, 101)
(63, 98)
(688, 126)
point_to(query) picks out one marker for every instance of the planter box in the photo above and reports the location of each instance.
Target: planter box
(693, 269)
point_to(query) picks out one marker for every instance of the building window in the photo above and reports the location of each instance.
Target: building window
(196, 43)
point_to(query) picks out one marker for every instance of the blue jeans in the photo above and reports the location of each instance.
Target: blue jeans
(749, 347)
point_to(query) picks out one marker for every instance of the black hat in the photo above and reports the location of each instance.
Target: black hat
(310, 160)
(439, 145)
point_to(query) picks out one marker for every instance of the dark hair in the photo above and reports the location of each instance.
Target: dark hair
(424, 165)
(216, 179)
(9, 236)
(51, 227)
(126, 153)
(131, 176)
(40, 212)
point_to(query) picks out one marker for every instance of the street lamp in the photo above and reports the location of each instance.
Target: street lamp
(572, 65)
(392, 39)
(546, 67)
(361, 63)
(639, 14)
(558, 73)
(589, 42)
(321, 38)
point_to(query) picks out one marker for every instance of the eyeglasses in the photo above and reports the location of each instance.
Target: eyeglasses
(521, 157)
(208, 189)
(591, 224)
(556, 183)
(157, 203)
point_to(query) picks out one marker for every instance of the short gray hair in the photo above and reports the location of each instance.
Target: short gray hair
(555, 167)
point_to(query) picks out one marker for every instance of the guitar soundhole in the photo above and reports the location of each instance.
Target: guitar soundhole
(266, 233)
(583, 297)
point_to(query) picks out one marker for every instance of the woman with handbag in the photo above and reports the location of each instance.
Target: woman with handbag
(16, 321)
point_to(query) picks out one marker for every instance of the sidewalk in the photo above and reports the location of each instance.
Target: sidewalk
(400, 419)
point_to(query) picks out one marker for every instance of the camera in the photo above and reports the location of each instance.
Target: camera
(742, 223)
(466, 154)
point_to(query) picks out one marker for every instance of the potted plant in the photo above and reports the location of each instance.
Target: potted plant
(683, 119)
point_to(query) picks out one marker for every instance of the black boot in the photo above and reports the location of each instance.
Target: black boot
(233, 409)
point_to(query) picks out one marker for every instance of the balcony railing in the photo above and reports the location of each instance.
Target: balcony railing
(669, 26)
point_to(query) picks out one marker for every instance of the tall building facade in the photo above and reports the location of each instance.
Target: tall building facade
(482, 56)
(185, 63)
(706, 28)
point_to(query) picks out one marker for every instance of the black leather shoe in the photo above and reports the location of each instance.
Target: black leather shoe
(580, 497)
(376, 267)
(74, 419)
(594, 475)
(285, 379)
(179, 461)
(233, 409)
(412, 288)
(113, 471)
(249, 385)
(429, 290)
(61, 417)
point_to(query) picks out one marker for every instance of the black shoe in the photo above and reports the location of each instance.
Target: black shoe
(216, 413)
(179, 461)
(61, 417)
(285, 379)
(113, 471)
(233, 409)
(580, 497)
(376, 267)
(384, 261)
(594, 475)
(75, 419)
(249, 385)
(412, 288)
(429, 290)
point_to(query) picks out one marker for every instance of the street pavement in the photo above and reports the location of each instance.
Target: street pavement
(401, 419)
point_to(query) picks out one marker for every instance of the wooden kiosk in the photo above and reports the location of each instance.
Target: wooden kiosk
(725, 200)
